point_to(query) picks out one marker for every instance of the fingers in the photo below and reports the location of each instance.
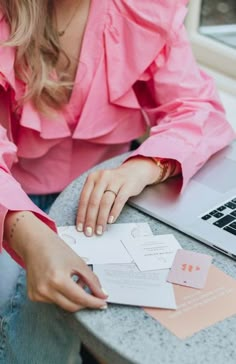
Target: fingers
(93, 283)
(106, 192)
(86, 277)
(57, 298)
(96, 201)
(67, 294)
(79, 296)
(83, 203)
(119, 204)
(103, 217)
(58, 275)
(63, 302)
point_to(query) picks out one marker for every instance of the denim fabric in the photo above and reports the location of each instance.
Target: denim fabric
(44, 202)
(36, 333)
(9, 272)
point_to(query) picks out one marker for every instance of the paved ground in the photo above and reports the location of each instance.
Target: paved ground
(218, 12)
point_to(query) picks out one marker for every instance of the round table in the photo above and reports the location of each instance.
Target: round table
(122, 334)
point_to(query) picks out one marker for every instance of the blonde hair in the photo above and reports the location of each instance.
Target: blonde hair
(37, 51)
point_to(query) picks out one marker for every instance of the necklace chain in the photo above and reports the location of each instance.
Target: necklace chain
(62, 32)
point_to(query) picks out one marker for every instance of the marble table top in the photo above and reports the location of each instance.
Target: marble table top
(122, 334)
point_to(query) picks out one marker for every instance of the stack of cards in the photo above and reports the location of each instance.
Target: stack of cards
(136, 267)
(130, 262)
(140, 269)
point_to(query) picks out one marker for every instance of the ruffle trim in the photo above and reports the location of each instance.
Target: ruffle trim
(134, 36)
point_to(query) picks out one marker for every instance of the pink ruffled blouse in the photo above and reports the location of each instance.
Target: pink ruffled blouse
(136, 70)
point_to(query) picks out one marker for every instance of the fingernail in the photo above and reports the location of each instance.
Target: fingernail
(110, 219)
(103, 307)
(104, 291)
(80, 227)
(89, 231)
(99, 230)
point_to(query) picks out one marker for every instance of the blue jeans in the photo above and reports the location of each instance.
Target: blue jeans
(36, 333)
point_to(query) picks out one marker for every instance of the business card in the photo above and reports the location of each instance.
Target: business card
(190, 269)
(152, 252)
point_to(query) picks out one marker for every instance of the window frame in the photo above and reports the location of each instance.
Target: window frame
(209, 52)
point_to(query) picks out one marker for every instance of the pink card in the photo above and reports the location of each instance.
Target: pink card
(190, 269)
(199, 308)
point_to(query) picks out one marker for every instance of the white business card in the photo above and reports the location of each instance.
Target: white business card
(126, 285)
(153, 252)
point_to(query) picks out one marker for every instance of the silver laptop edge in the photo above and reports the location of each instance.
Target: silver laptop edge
(209, 195)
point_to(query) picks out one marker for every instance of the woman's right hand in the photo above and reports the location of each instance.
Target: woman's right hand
(50, 265)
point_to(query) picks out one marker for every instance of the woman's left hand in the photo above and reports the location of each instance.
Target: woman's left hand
(105, 193)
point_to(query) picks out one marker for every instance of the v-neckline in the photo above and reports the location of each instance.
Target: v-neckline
(96, 16)
(82, 49)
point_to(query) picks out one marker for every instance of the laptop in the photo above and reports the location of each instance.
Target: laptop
(206, 210)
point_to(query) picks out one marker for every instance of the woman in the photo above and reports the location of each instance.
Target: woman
(79, 80)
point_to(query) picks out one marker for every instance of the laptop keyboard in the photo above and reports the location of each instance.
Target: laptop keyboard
(223, 216)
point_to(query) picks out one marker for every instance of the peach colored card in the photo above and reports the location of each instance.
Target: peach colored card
(198, 309)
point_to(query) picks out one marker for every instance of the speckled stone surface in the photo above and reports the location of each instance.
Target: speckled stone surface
(121, 334)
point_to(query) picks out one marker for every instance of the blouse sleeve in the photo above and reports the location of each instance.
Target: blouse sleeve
(186, 117)
(12, 196)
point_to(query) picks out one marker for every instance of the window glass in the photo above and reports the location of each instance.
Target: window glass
(218, 21)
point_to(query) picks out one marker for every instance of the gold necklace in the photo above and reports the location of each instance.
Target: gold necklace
(62, 32)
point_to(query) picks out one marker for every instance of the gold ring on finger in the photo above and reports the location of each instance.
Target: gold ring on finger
(111, 192)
